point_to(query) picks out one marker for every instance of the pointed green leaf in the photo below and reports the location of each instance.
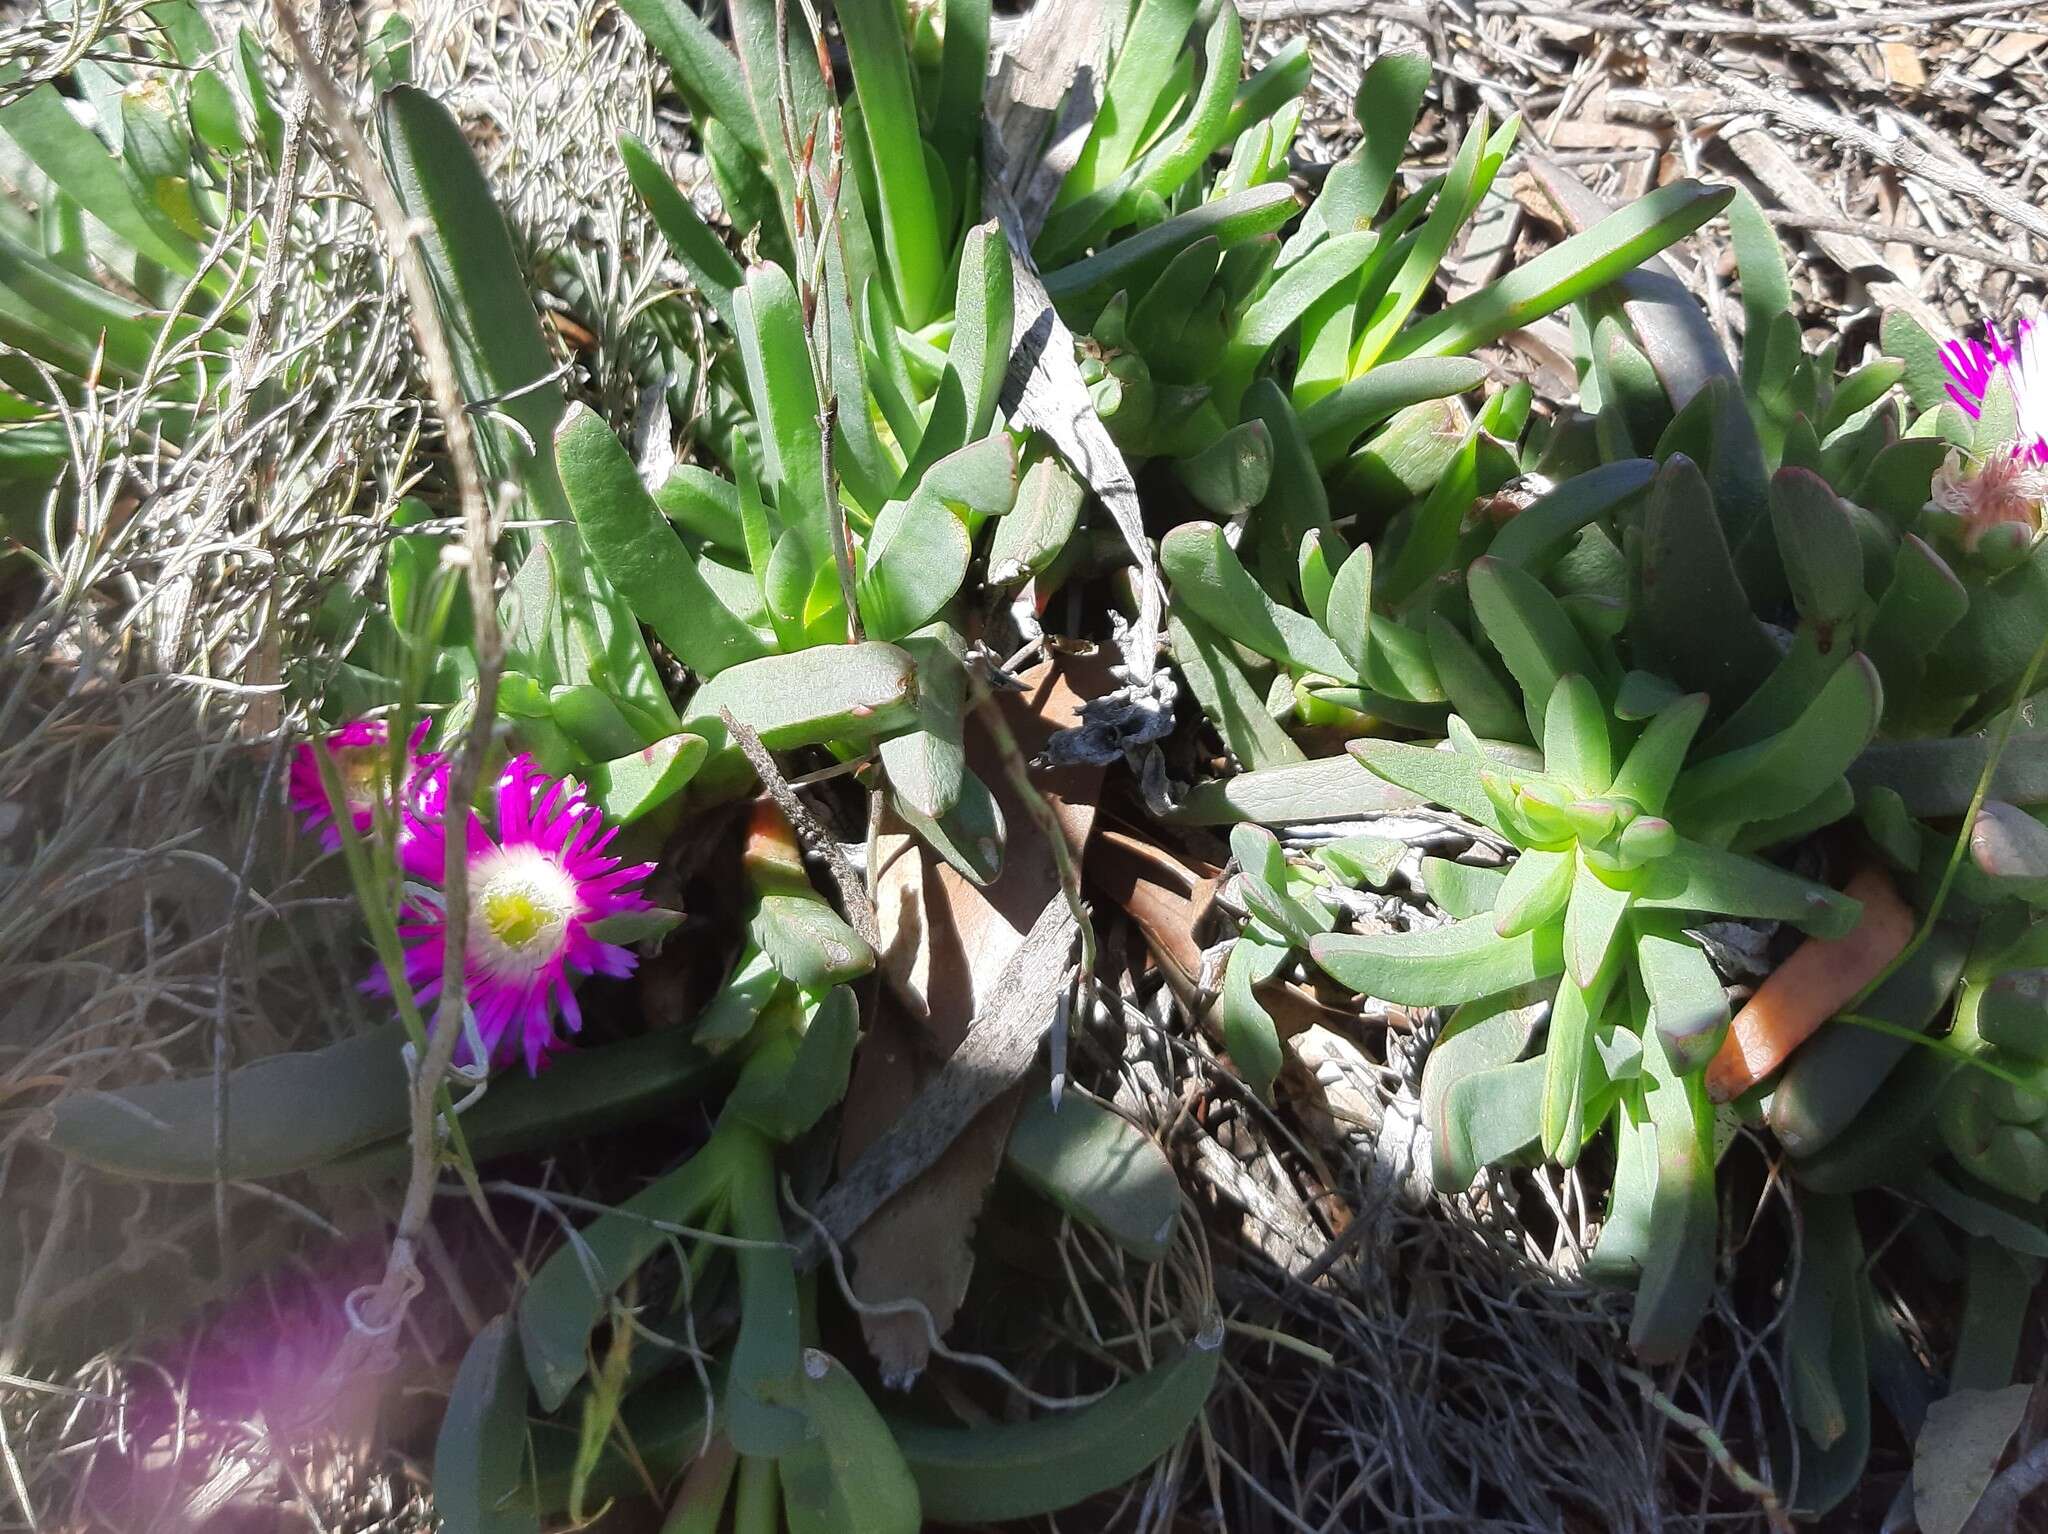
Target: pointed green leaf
(480, 1484)
(639, 552)
(1534, 892)
(1582, 264)
(1707, 880)
(1438, 966)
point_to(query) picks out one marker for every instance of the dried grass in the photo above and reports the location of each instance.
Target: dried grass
(159, 916)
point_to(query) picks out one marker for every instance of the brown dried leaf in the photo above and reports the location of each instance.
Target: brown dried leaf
(944, 945)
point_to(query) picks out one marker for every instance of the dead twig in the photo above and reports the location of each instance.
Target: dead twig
(1877, 229)
(379, 1314)
(853, 889)
(1910, 159)
(998, 1049)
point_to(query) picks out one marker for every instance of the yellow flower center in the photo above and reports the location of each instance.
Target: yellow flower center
(524, 903)
(514, 916)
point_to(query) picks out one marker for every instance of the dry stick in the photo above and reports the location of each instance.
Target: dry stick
(1703, 1430)
(402, 1279)
(998, 1049)
(1019, 773)
(1877, 229)
(1850, 28)
(1909, 158)
(853, 890)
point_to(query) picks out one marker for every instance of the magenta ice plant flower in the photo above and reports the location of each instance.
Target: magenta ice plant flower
(539, 878)
(2008, 490)
(362, 760)
(1973, 365)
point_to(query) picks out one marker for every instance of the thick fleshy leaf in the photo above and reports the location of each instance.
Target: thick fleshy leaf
(1480, 1039)
(1227, 696)
(1823, 556)
(1564, 273)
(793, 1079)
(1576, 743)
(847, 1477)
(480, 1484)
(1836, 1074)
(809, 942)
(639, 552)
(1231, 474)
(1442, 777)
(1098, 1167)
(908, 210)
(1687, 587)
(927, 765)
(1463, 890)
(1688, 1006)
(1530, 631)
(1936, 778)
(1825, 1358)
(1781, 775)
(1538, 533)
(1534, 892)
(1330, 788)
(1654, 762)
(1133, 263)
(1016, 1470)
(845, 692)
(1249, 1033)
(1334, 423)
(1205, 573)
(1707, 880)
(569, 1293)
(1439, 966)
(1038, 525)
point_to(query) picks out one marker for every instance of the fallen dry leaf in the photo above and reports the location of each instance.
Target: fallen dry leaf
(944, 944)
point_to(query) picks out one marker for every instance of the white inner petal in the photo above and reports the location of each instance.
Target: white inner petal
(2029, 374)
(522, 902)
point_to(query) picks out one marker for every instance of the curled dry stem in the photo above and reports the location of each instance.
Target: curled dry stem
(380, 1313)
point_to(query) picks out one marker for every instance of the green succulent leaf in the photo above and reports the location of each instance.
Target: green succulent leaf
(1688, 1006)
(1477, 692)
(1530, 631)
(1443, 777)
(639, 552)
(1818, 542)
(1534, 893)
(1097, 1166)
(570, 1292)
(1698, 878)
(1654, 762)
(1335, 422)
(1686, 587)
(794, 1078)
(1135, 262)
(1576, 744)
(1206, 576)
(1783, 774)
(847, 1477)
(480, 1483)
(1480, 1099)
(1249, 1033)
(1539, 533)
(690, 240)
(1439, 966)
(1565, 273)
